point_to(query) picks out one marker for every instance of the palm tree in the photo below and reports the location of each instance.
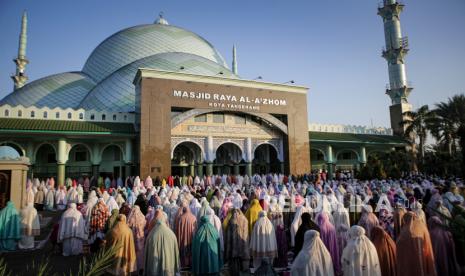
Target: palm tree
(415, 124)
(457, 110)
(442, 126)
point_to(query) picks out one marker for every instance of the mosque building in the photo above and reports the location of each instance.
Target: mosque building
(157, 99)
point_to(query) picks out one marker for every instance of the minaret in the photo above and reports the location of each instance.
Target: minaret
(234, 61)
(394, 53)
(21, 61)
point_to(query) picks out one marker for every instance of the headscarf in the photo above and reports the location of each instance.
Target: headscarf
(307, 224)
(252, 214)
(161, 254)
(206, 249)
(314, 258)
(236, 241)
(360, 256)
(112, 220)
(99, 217)
(443, 248)
(10, 227)
(328, 235)
(71, 225)
(30, 224)
(263, 240)
(296, 222)
(414, 248)
(121, 237)
(386, 249)
(185, 229)
(368, 219)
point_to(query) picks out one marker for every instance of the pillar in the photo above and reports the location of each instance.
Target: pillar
(61, 161)
(95, 168)
(236, 169)
(363, 156)
(281, 167)
(61, 174)
(200, 170)
(248, 168)
(329, 161)
(127, 170)
(209, 169)
(192, 170)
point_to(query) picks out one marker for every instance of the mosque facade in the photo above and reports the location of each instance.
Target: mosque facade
(157, 100)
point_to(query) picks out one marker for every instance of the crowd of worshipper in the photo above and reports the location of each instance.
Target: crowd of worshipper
(308, 225)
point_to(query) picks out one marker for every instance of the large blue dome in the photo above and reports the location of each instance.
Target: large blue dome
(116, 93)
(105, 83)
(129, 45)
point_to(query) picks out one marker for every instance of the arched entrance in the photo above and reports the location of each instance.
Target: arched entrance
(186, 156)
(79, 163)
(228, 159)
(45, 162)
(266, 160)
(112, 164)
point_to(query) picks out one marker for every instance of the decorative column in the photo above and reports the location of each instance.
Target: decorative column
(209, 155)
(248, 165)
(329, 161)
(96, 159)
(30, 155)
(61, 161)
(236, 169)
(128, 157)
(363, 156)
(200, 170)
(192, 169)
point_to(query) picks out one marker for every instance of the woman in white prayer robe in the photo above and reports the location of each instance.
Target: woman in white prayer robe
(314, 258)
(60, 198)
(30, 226)
(72, 231)
(263, 245)
(111, 204)
(50, 199)
(360, 257)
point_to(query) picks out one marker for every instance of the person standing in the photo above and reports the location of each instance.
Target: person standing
(263, 241)
(30, 226)
(414, 249)
(10, 229)
(72, 231)
(314, 258)
(360, 258)
(185, 229)
(206, 249)
(136, 222)
(236, 251)
(120, 236)
(161, 254)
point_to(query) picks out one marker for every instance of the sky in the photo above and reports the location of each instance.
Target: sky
(331, 46)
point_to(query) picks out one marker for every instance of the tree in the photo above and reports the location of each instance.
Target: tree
(415, 123)
(457, 109)
(443, 127)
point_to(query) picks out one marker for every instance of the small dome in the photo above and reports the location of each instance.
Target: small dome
(7, 152)
(61, 90)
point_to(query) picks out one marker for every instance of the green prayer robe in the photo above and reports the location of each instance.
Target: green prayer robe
(10, 227)
(161, 252)
(206, 250)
